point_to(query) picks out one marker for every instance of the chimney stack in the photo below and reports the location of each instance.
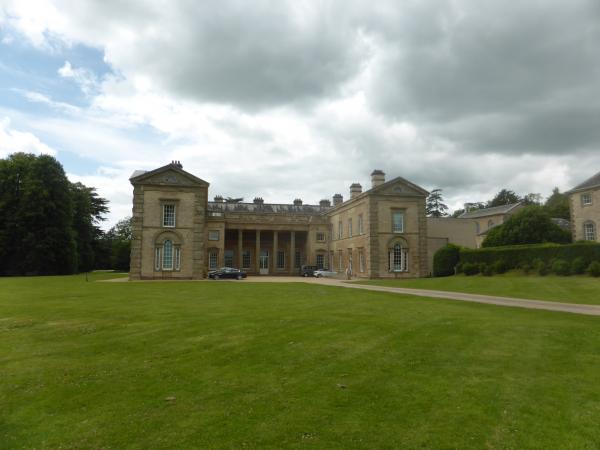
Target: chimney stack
(355, 189)
(338, 199)
(324, 203)
(177, 164)
(377, 178)
(298, 202)
(258, 201)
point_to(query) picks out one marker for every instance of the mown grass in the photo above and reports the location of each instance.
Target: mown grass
(266, 365)
(574, 289)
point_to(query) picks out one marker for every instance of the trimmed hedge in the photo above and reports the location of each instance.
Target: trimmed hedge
(518, 256)
(445, 260)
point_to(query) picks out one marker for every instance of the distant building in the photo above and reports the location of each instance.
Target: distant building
(377, 233)
(488, 218)
(584, 202)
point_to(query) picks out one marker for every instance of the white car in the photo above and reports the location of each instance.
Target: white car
(324, 273)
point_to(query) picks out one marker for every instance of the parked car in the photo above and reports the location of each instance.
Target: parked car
(227, 272)
(324, 273)
(308, 271)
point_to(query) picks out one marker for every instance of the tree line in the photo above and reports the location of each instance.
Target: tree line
(50, 225)
(556, 205)
(532, 225)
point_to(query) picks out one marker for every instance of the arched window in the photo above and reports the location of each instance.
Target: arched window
(398, 258)
(589, 231)
(167, 255)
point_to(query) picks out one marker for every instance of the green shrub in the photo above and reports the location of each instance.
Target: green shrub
(459, 268)
(540, 267)
(594, 269)
(518, 255)
(561, 267)
(578, 266)
(486, 269)
(470, 269)
(445, 260)
(500, 266)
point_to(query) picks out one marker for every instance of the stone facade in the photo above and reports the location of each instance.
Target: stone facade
(488, 218)
(584, 202)
(178, 233)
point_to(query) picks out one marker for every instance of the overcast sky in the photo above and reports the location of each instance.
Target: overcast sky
(292, 99)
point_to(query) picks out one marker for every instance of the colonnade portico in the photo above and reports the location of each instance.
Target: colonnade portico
(266, 251)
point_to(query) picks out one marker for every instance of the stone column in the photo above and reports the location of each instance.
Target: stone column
(274, 258)
(292, 258)
(240, 248)
(257, 255)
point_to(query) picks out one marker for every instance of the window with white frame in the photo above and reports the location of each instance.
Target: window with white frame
(586, 199)
(398, 221)
(213, 235)
(157, 258)
(398, 259)
(320, 236)
(361, 260)
(213, 260)
(169, 215)
(350, 227)
(280, 259)
(320, 261)
(167, 262)
(246, 259)
(340, 230)
(360, 224)
(589, 231)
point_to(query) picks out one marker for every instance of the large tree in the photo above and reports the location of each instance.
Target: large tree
(119, 237)
(37, 210)
(531, 225)
(435, 206)
(557, 205)
(504, 197)
(47, 224)
(88, 212)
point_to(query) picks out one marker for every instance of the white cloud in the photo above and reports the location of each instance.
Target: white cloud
(83, 77)
(13, 141)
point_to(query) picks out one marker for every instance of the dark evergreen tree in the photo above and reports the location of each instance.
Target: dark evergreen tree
(504, 197)
(557, 205)
(37, 237)
(88, 211)
(435, 206)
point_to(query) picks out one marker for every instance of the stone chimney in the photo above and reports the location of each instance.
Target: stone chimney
(377, 178)
(298, 202)
(338, 199)
(355, 189)
(258, 201)
(324, 203)
(219, 199)
(177, 164)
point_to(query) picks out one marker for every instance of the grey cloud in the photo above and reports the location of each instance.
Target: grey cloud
(503, 71)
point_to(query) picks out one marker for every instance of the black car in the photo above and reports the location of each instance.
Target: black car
(308, 271)
(227, 272)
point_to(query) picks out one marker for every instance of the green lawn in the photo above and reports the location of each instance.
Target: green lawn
(575, 289)
(184, 365)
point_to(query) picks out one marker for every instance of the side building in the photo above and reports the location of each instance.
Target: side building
(584, 204)
(487, 218)
(179, 234)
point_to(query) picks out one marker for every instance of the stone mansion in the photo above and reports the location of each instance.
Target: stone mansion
(377, 233)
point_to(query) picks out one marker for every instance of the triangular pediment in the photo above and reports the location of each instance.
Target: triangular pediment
(171, 174)
(399, 186)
